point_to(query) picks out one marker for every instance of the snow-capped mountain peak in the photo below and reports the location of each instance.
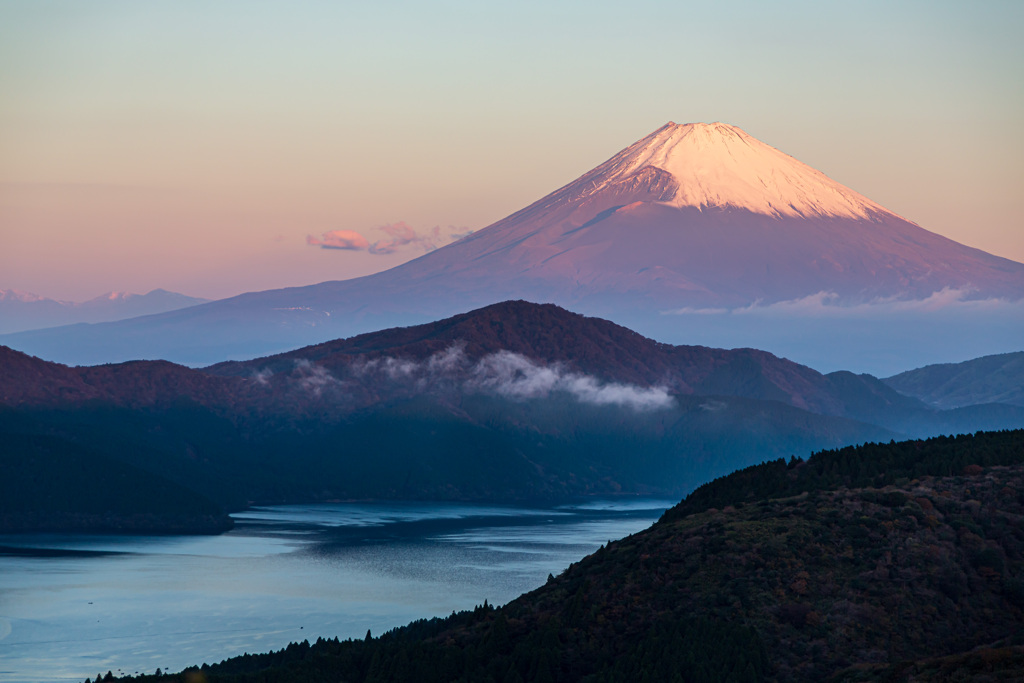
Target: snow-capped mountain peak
(19, 295)
(719, 165)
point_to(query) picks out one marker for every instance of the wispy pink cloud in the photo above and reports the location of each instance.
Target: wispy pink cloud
(400, 235)
(339, 239)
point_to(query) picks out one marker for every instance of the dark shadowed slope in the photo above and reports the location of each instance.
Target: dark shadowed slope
(50, 484)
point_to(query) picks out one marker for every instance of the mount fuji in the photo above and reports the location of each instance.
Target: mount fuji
(694, 231)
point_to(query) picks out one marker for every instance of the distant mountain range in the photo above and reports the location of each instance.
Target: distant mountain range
(514, 401)
(992, 379)
(20, 311)
(691, 222)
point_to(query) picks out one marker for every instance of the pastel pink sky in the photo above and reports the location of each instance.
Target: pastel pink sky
(206, 149)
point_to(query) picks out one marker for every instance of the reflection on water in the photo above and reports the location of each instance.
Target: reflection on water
(75, 606)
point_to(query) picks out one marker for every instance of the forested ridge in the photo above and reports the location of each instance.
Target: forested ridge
(512, 402)
(885, 562)
(867, 465)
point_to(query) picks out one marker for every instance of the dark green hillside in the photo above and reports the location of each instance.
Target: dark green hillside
(889, 561)
(50, 484)
(873, 464)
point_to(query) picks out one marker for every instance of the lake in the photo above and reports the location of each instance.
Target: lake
(75, 606)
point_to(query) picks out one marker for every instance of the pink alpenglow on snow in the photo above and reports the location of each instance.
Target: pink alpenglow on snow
(718, 165)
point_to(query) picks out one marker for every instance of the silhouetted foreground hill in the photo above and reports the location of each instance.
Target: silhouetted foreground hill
(879, 563)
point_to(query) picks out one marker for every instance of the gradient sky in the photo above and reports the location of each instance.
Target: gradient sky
(197, 146)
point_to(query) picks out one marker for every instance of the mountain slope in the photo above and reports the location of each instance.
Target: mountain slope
(705, 215)
(513, 401)
(694, 216)
(468, 349)
(841, 567)
(546, 335)
(551, 335)
(26, 381)
(991, 379)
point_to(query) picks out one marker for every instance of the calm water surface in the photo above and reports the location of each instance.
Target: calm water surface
(75, 606)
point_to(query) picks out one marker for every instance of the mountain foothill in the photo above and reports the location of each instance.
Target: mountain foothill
(513, 402)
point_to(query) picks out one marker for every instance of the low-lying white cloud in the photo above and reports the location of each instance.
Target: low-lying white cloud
(823, 304)
(448, 361)
(517, 377)
(504, 373)
(313, 378)
(588, 390)
(513, 375)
